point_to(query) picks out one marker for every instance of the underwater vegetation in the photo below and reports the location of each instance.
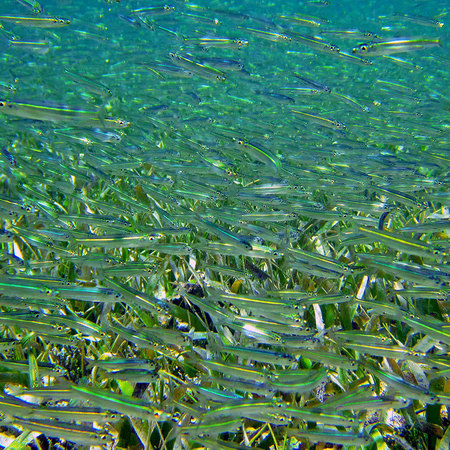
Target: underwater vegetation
(224, 225)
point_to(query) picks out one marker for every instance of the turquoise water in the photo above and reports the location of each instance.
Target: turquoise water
(223, 200)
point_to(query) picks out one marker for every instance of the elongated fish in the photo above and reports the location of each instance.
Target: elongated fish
(36, 21)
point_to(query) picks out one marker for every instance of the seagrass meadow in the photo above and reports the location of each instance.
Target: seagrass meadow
(224, 225)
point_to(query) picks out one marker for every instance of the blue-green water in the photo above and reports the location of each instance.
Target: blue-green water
(223, 200)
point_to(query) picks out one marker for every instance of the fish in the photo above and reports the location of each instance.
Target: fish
(32, 5)
(395, 46)
(304, 20)
(244, 408)
(218, 42)
(36, 22)
(208, 427)
(38, 111)
(65, 430)
(39, 47)
(200, 70)
(90, 84)
(224, 225)
(120, 403)
(154, 10)
(419, 19)
(321, 121)
(330, 435)
(404, 243)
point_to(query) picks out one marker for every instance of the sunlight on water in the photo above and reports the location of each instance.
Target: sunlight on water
(224, 225)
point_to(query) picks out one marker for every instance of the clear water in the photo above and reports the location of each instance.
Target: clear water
(211, 170)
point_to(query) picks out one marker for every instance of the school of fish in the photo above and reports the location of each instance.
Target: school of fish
(224, 225)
